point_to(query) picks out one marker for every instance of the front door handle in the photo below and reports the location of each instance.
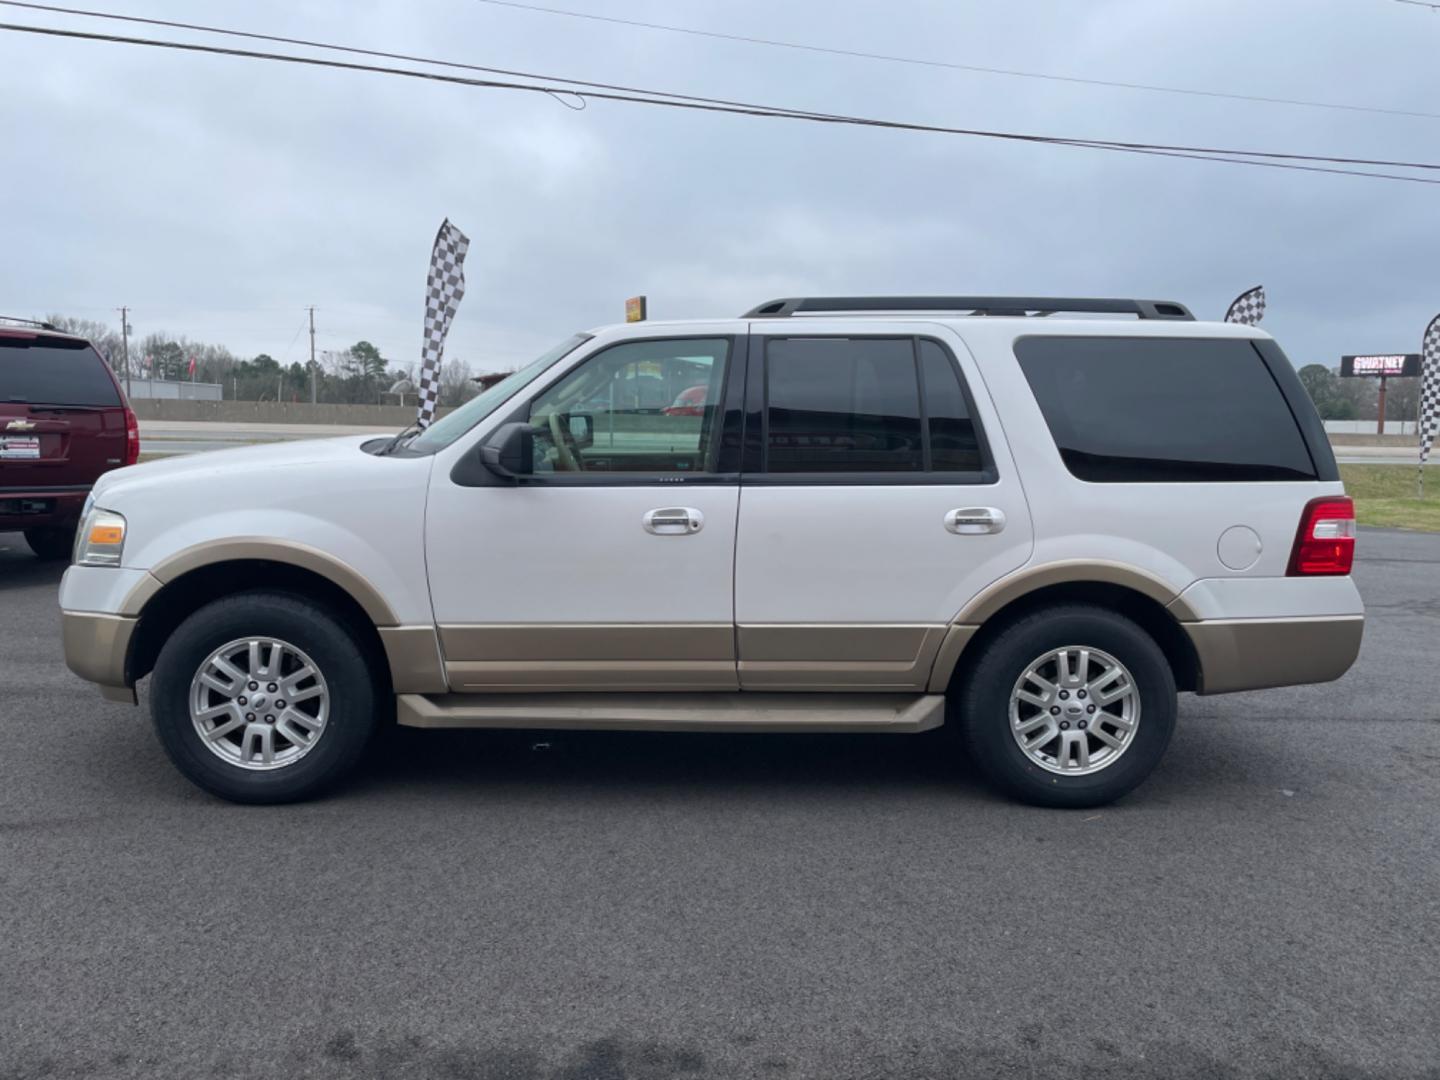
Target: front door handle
(674, 521)
(975, 520)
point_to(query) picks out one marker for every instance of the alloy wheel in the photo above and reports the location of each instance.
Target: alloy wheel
(1075, 710)
(259, 703)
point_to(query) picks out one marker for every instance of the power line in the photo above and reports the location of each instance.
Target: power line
(1260, 158)
(767, 110)
(890, 58)
(1413, 3)
(354, 50)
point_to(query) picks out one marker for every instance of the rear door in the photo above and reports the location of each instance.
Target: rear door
(62, 422)
(877, 499)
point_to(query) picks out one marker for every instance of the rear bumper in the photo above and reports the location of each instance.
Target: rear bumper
(97, 647)
(1254, 654)
(30, 508)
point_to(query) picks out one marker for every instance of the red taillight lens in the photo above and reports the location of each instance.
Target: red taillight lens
(1325, 543)
(132, 437)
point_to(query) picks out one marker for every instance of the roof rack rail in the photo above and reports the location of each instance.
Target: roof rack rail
(28, 322)
(975, 305)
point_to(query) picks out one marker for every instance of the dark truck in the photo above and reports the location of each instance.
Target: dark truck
(63, 421)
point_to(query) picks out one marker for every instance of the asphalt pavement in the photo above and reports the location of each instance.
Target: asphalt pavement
(664, 906)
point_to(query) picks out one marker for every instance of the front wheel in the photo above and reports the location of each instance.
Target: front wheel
(263, 698)
(1069, 706)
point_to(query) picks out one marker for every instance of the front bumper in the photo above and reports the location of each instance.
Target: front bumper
(1255, 654)
(97, 647)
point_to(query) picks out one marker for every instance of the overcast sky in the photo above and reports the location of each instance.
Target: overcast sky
(218, 197)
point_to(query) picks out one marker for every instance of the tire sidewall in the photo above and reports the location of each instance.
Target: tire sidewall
(312, 630)
(986, 705)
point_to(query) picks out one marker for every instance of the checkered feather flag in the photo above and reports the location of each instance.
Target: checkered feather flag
(443, 290)
(1248, 308)
(1429, 393)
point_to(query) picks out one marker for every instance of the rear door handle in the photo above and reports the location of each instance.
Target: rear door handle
(674, 521)
(975, 520)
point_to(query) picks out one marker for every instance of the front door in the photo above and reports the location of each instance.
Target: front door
(873, 508)
(611, 568)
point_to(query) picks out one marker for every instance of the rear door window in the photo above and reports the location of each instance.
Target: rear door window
(954, 440)
(54, 371)
(887, 408)
(1164, 410)
(842, 405)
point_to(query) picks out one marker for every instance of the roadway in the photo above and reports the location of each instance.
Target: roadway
(496, 905)
(170, 437)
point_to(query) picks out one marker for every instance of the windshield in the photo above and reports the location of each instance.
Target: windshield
(445, 431)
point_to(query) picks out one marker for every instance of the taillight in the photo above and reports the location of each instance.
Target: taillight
(132, 437)
(1325, 543)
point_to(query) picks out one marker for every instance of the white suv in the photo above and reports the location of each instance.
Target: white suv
(830, 514)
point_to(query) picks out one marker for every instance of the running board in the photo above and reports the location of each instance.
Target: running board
(676, 712)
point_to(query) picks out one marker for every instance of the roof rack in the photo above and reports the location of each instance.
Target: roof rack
(28, 322)
(975, 305)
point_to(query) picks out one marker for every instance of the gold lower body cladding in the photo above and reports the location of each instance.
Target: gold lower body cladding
(897, 664)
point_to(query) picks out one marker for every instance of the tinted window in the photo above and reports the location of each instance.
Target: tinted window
(954, 444)
(1131, 410)
(842, 405)
(642, 407)
(54, 371)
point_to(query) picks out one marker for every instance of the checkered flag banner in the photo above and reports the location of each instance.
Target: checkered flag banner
(443, 290)
(1248, 308)
(1429, 390)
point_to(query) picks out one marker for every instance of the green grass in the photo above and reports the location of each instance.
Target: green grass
(1385, 495)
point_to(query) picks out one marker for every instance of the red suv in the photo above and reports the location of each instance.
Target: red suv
(63, 421)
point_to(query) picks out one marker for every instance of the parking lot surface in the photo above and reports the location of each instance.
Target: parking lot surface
(654, 906)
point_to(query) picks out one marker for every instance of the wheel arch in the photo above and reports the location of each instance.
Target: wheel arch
(187, 586)
(288, 553)
(1141, 599)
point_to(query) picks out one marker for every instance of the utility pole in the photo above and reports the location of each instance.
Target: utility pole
(125, 344)
(1380, 427)
(313, 370)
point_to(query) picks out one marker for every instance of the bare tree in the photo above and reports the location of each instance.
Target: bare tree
(455, 384)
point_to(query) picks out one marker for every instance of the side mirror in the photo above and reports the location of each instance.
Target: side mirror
(509, 452)
(582, 429)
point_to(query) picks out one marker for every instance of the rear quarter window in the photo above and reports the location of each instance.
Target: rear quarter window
(1164, 410)
(54, 371)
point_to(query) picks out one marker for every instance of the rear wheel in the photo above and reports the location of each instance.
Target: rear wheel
(263, 698)
(51, 542)
(1070, 706)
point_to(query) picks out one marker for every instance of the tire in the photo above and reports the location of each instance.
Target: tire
(342, 716)
(987, 723)
(51, 542)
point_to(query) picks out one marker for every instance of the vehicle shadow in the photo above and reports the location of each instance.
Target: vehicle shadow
(582, 763)
(20, 568)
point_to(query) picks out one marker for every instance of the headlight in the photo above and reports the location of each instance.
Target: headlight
(101, 538)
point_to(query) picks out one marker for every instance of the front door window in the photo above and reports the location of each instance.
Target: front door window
(649, 406)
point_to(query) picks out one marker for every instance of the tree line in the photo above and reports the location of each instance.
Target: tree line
(1358, 398)
(359, 375)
